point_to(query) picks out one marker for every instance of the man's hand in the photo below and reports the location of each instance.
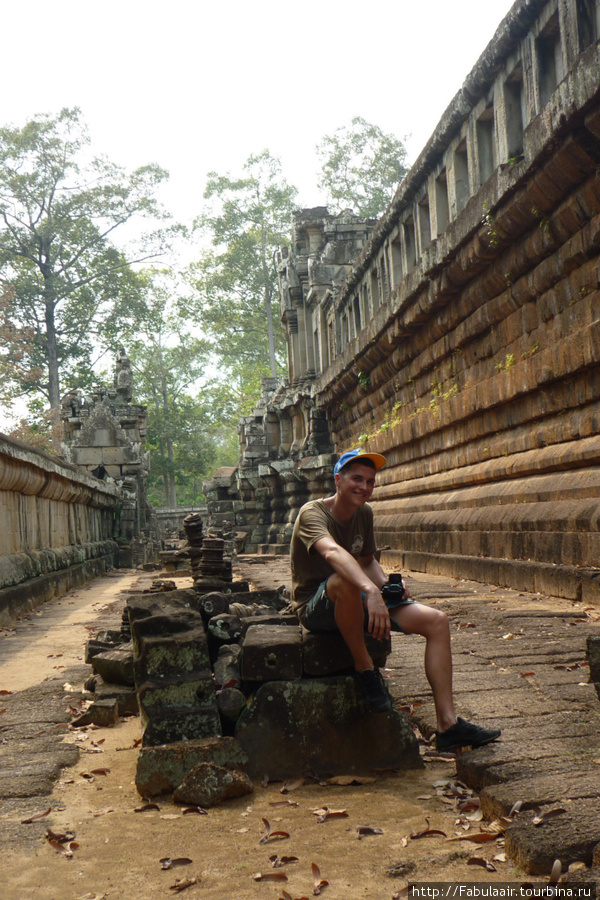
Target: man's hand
(379, 618)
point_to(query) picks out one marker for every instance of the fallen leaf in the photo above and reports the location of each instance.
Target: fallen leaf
(103, 812)
(168, 863)
(427, 832)
(272, 834)
(364, 830)
(292, 785)
(36, 817)
(100, 771)
(182, 883)
(539, 816)
(271, 876)
(194, 809)
(325, 813)
(318, 882)
(4, 693)
(526, 674)
(484, 863)
(481, 837)
(278, 861)
(146, 807)
(284, 803)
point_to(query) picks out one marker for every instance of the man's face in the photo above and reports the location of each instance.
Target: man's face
(355, 483)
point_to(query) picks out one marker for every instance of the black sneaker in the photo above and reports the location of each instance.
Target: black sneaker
(374, 689)
(464, 734)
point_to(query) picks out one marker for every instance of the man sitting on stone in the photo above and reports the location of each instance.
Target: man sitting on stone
(336, 585)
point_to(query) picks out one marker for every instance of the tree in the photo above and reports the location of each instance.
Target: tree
(63, 283)
(362, 167)
(188, 434)
(246, 221)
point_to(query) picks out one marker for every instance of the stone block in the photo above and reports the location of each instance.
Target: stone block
(570, 836)
(208, 784)
(271, 653)
(115, 666)
(177, 691)
(126, 697)
(161, 769)
(325, 652)
(230, 703)
(162, 657)
(179, 723)
(103, 713)
(323, 726)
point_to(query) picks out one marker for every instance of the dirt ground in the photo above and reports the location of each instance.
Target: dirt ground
(117, 849)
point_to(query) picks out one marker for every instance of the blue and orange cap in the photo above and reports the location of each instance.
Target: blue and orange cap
(355, 456)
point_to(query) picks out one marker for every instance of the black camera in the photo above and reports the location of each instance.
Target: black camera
(394, 589)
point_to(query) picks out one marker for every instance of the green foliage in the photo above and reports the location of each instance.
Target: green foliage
(191, 419)
(234, 282)
(361, 167)
(64, 286)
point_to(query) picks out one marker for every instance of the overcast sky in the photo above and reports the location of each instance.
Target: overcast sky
(199, 86)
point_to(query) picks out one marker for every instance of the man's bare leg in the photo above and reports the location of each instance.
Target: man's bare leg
(435, 628)
(350, 619)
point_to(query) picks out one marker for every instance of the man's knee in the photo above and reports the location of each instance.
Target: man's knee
(339, 589)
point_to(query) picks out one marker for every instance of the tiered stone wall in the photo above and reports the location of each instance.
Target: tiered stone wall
(56, 527)
(466, 340)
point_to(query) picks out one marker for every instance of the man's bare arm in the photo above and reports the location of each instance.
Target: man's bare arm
(352, 570)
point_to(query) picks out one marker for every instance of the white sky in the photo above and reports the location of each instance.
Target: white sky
(199, 86)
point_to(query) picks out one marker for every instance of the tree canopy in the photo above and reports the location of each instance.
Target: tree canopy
(361, 167)
(191, 430)
(64, 284)
(246, 220)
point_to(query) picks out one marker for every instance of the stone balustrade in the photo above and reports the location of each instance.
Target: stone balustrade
(56, 527)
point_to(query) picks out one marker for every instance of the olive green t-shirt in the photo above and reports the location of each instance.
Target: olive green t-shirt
(315, 521)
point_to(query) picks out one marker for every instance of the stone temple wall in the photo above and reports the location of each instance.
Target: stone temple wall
(286, 450)
(465, 342)
(56, 527)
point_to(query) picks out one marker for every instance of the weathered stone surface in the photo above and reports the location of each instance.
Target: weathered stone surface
(178, 723)
(226, 668)
(323, 726)
(104, 713)
(324, 653)
(230, 703)
(115, 666)
(553, 788)
(195, 689)
(593, 657)
(126, 697)
(161, 769)
(224, 629)
(569, 836)
(214, 604)
(271, 652)
(208, 784)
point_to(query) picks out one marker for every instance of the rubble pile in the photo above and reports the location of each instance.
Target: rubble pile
(230, 687)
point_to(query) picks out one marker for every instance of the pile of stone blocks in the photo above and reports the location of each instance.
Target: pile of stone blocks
(238, 670)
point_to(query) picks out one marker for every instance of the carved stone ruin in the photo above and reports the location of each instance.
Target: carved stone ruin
(232, 681)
